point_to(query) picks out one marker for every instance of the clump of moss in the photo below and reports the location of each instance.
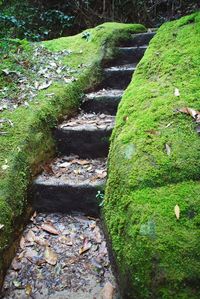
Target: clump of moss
(154, 164)
(29, 143)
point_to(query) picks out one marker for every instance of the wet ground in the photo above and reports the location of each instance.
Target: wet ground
(61, 256)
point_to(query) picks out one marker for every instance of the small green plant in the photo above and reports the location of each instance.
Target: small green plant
(100, 197)
(86, 35)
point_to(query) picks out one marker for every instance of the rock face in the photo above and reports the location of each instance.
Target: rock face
(152, 197)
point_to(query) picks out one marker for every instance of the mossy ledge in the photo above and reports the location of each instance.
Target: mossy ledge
(29, 143)
(158, 255)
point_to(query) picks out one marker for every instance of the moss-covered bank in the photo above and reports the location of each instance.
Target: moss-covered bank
(28, 143)
(154, 165)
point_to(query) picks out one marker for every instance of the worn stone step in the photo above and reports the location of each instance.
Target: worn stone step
(86, 135)
(103, 101)
(139, 39)
(70, 184)
(118, 77)
(128, 55)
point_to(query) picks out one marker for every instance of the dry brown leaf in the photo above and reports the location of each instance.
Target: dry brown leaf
(28, 289)
(108, 291)
(22, 243)
(16, 265)
(190, 111)
(177, 211)
(102, 175)
(50, 256)
(153, 132)
(65, 240)
(80, 162)
(30, 236)
(48, 169)
(30, 254)
(33, 217)
(48, 227)
(86, 246)
(41, 241)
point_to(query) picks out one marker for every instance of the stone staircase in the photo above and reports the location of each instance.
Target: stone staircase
(86, 136)
(63, 252)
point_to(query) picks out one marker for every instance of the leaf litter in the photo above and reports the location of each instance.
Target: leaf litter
(91, 121)
(37, 71)
(67, 259)
(76, 170)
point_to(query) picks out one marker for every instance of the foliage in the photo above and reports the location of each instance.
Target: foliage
(39, 20)
(23, 20)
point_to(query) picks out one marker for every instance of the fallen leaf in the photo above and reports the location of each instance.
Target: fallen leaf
(17, 284)
(50, 256)
(125, 118)
(28, 289)
(190, 111)
(69, 80)
(153, 132)
(16, 265)
(177, 211)
(33, 217)
(30, 254)
(30, 236)
(45, 85)
(80, 162)
(49, 228)
(168, 149)
(168, 125)
(176, 92)
(108, 291)
(64, 165)
(48, 169)
(65, 240)
(22, 243)
(86, 246)
(41, 241)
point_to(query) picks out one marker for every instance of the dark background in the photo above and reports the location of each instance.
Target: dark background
(39, 20)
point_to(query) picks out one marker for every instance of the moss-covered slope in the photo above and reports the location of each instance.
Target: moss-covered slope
(28, 141)
(154, 165)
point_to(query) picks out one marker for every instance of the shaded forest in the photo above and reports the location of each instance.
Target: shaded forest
(39, 20)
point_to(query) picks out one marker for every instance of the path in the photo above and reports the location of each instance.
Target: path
(63, 253)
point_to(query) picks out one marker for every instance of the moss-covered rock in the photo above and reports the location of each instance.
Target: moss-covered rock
(29, 143)
(154, 165)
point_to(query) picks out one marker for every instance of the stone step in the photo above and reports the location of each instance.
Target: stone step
(139, 39)
(103, 101)
(128, 55)
(70, 184)
(86, 135)
(117, 77)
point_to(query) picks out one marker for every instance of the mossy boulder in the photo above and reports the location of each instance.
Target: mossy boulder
(154, 165)
(28, 143)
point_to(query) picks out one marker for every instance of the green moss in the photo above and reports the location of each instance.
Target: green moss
(158, 256)
(29, 143)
